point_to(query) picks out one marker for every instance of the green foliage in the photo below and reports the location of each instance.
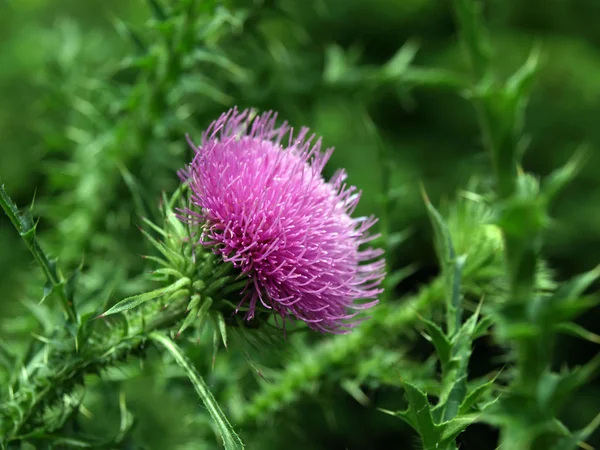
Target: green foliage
(96, 105)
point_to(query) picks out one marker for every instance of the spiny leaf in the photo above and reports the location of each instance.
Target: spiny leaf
(231, 440)
(454, 427)
(575, 287)
(556, 181)
(555, 388)
(575, 441)
(136, 300)
(441, 343)
(474, 396)
(451, 265)
(482, 327)
(418, 414)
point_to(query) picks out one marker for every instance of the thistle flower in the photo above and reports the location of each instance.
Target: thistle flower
(265, 207)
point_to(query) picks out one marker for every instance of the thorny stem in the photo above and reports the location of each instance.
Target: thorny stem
(388, 320)
(26, 228)
(499, 106)
(501, 130)
(79, 366)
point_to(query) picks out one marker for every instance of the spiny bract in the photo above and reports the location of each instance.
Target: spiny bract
(266, 208)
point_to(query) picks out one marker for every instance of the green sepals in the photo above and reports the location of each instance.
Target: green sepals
(217, 284)
(136, 300)
(215, 345)
(174, 258)
(231, 440)
(168, 272)
(219, 323)
(155, 227)
(197, 313)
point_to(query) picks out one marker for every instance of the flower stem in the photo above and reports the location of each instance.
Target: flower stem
(26, 228)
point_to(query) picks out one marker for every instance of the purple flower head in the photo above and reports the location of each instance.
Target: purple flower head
(263, 205)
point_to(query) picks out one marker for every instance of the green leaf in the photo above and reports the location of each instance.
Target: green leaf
(557, 180)
(482, 327)
(442, 344)
(127, 32)
(474, 396)
(231, 440)
(576, 330)
(397, 276)
(573, 442)
(157, 10)
(7, 358)
(394, 240)
(555, 388)
(574, 288)
(454, 427)
(398, 64)
(352, 387)
(451, 266)
(136, 300)
(418, 415)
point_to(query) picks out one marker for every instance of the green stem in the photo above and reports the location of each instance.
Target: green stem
(40, 389)
(26, 230)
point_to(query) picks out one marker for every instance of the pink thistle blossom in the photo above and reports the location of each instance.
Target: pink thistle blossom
(265, 207)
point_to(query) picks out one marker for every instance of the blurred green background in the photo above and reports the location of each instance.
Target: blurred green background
(319, 63)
